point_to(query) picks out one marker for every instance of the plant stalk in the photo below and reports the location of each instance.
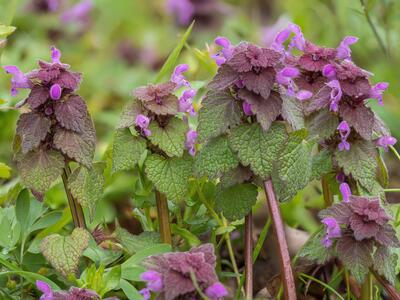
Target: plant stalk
(76, 209)
(248, 255)
(286, 268)
(328, 196)
(390, 289)
(366, 289)
(163, 218)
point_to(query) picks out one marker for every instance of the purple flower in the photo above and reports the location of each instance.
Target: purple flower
(385, 142)
(344, 51)
(344, 131)
(178, 78)
(329, 71)
(304, 95)
(285, 75)
(55, 55)
(182, 9)
(336, 94)
(298, 41)
(377, 91)
(79, 13)
(340, 177)
(225, 53)
(332, 231)
(345, 191)
(216, 291)
(145, 293)
(55, 92)
(186, 102)
(191, 137)
(153, 279)
(247, 108)
(18, 81)
(45, 289)
(53, 5)
(143, 123)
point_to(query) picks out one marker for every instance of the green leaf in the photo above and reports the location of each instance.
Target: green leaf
(321, 165)
(385, 261)
(22, 209)
(6, 30)
(128, 117)
(32, 277)
(40, 168)
(127, 150)
(169, 65)
(219, 112)
(360, 162)
(292, 111)
(63, 252)
(130, 291)
(86, 185)
(134, 243)
(170, 138)
(322, 123)
(314, 250)
(215, 158)
(191, 239)
(5, 171)
(294, 166)
(235, 202)
(170, 176)
(141, 255)
(112, 279)
(257, 148)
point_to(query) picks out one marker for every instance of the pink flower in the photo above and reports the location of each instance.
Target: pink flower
(344, 51)
(345, 191)
(332, 231)
(385, 142)
(304, 95)
(377, 91)
(45, 289)
(247, 108)
(18, 81)
(329, 71)
(216, 291)
(153, 279)
(55, 92)
(186, 102)
(143, 123)
(344, 131)
(177, 76)
(182, 9)
(225, 53)
(336, 94)
(191, 137)
(79, 13)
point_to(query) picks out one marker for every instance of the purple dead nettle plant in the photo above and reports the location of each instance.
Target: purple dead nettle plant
(349, 133)
(157, 121)
(179, 275)
(56, 130)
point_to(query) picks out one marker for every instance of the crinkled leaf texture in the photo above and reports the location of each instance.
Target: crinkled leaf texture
(314, 250)
(215, 158)
(360, 162)
(129, 114)
(294, 166)
(86, 185)
(236, 201)
(127, 150)
(385, 260)
(39, 168)
(322, 123)
(292, 111)
(32, 128)
(79, 147)
(71, 113)
(170, 175)
(257, 148)
(64, 252)
(134, 243)
(170, 138)
(321, 164)
(219, 111)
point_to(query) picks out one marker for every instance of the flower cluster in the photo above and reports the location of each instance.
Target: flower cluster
(58, 120)
(74, 293)
(172, 274)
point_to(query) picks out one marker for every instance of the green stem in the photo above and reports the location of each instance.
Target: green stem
(163, 218)
(197, 287)
(366, 289)
(348, 289)
(392, 190)
(393, 149)
(148, 218)
(328, 196)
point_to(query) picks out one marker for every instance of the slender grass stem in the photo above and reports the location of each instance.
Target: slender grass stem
(393, 149)
(248, 255)
(76, 209)
(392, 190)
(163, 218)
(286, 268)
(326, 286)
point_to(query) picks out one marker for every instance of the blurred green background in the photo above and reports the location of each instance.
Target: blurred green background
(125, 42)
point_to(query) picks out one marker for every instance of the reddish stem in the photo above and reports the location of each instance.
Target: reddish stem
(163, 218)
(390, 289)
(248, 255)
(286, 268)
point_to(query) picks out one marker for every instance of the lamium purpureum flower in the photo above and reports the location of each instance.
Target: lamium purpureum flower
(247, 108)
(79, 13)
(45, 289)
(329, 71)
(18, 81)
(332, 231)
(143, 122)
(345, 191)
(191, 137)
(344, 51)
(177, 76)
(226, 50)
(216, 291)
(336, 94)
(385, 142)
(73, 293)
(298, 41)
(344, 132)
(377, 90)
(153, 280)
(55, 92)
(182, 9)
(285, 77)
(186, 102)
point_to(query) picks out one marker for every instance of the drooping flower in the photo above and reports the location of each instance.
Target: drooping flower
(344, 132)
(216, 291)
(298, 41)
(55, 91)
(247, 108)
(18, 81)
(332, 231)
(191, 137)
(385, 142)
(177, 76)
(329, 71)
(45, 289)
(377, 90)
(336, 94)
(145, 292)
(344, 51)
(345, 191)
(143, 123)
(182, 9)
(304, 95)
(153, 280)
(225, 53)
(176, 269)
(186, 102)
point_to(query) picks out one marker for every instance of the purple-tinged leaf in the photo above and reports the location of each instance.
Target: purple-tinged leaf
(318, 101)
(322, 123)
(38, 96)
(292, 111)
(259, 83)
(226, 77)
(129, 114)
(340, 211)
(32, 128)
(167, 106)
(68, 80)
(360, 117)
(387, 236)
(71, 113)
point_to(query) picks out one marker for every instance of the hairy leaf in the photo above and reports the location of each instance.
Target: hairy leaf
(257, 148)
(72, 113)
(225, 77)
(63, 252)
(292, 111)
(321, 164)
(237, 175)
(215, 158)
(32, 128)
(39, 168)
(86, 186)
(322, 123)
(294, 166)
(385, 263)
(127, 150)
(314, 250)
(219, 112)
(38, 96)
(360, 162)
(236, 201)
(77, 146)
(168, 106)
(129, 114)
(361, 118)
(171, 138)
(134, 243)
(170, 176)
(356, 256)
